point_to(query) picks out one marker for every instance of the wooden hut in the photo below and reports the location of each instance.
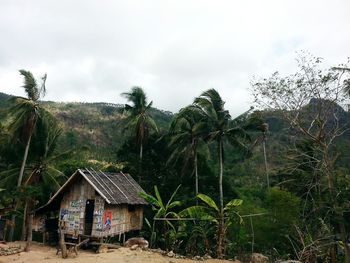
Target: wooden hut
(95, 204)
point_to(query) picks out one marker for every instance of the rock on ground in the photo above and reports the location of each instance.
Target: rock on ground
(139, 241)
(258, 258)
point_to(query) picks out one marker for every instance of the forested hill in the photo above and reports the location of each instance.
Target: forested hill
(98, 126)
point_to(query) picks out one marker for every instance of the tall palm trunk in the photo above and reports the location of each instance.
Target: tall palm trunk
(21, 172)
(220, 248)
(24, 223)
(220, 233)
(220, 176)
(19, 182)
(196, 174)
(140, 161)
(29, 229)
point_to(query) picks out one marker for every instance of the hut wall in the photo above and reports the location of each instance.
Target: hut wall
(118, 219)
(72, 211)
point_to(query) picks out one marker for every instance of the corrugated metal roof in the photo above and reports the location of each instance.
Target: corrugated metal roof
(115, 188)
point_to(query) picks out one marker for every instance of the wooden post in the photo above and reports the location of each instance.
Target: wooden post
(62, 243)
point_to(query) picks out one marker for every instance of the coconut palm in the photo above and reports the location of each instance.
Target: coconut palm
(24, 115)
(139, 118)
(222, 129)
(43, 174)
(187, 131)
(39, 173)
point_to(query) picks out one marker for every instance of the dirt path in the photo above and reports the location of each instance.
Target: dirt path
(40, 254)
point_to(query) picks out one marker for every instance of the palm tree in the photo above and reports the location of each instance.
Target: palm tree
(139, 118)
(24, 115)
(26, 112)
(222, 128)
(187, 132)
(43, 173)
(40, 173)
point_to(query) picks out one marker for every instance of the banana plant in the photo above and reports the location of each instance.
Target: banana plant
(162, 213)
(212, 213)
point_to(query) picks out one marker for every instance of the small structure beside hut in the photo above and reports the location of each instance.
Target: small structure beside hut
(94, 204)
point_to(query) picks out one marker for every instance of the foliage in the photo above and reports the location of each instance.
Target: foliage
(187, 132)
(308, 100)
(221, 219)
(163, 212)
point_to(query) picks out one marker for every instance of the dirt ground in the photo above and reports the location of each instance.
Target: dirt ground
(40, 253)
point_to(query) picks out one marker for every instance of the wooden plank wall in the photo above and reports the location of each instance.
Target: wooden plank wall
(122, 220)
(73, 203)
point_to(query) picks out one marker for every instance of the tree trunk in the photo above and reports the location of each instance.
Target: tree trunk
(196, 174)
(21, 172)
(220, 237)
(24, 228)
(140, 162)
(220, 177)
(29, 228)
(19, 182)
(12, 227)
(265, 159)
(141, 152)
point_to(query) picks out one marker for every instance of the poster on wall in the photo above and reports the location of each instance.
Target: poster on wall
(107, 220)
(64, 214)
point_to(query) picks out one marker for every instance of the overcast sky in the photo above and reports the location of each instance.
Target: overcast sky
(95, 50)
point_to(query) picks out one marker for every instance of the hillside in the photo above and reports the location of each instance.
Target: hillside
(98, 126)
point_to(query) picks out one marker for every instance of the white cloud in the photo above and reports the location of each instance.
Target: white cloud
(94, 50)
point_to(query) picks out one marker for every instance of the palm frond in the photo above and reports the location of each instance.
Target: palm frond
(30, 85)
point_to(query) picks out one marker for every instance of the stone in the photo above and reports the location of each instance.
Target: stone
(140, 241)
(170, 254)
(134, 247)
(258, 258)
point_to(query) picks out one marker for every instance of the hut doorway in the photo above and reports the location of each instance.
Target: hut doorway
(89, 215)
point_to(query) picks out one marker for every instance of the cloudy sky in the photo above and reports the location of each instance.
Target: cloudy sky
(95, 50)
